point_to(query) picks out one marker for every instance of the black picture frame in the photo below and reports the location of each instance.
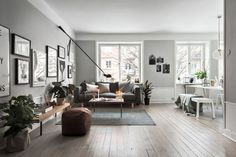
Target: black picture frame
(38, 68)
(61, 52)
(21, 46)
(166, 68)
(158, 68)
(51, 62)
(69, 71)
(160, 60)
(22, 71)
(5, 85)
(61, 69)
(152, 60)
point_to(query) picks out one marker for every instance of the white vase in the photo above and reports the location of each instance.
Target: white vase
(18, 142)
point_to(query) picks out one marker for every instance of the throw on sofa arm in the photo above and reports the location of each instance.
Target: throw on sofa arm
(137, 93)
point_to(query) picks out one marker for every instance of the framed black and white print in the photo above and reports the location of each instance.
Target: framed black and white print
(158, 68)
(61, 70)
(61, 52)
(160, 60)
(166, 68)
(4, 61)
(152, 60)
(51, 62)
(69, 71)
(21, 46)
(22, 71)
(38, 66)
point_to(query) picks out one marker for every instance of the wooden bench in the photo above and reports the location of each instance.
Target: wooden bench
(54, 111)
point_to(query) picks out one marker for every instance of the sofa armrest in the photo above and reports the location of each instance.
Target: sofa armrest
(137, 93)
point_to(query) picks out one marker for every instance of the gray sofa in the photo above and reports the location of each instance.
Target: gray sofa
(130, 92)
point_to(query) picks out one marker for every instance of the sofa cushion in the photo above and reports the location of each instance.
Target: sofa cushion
(108, 95)
(126, 87)
(114, 87)
(91, 88)
(128, 96)
(103, 88)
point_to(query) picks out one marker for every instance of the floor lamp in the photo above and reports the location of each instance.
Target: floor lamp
(104, 74)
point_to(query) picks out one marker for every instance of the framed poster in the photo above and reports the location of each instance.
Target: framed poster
(166, 68)
(61, 52)
(152, 60)
(21, 46)
(51, 62)
(160, 60)
(4, 61)
(158, 68)
(22, 71)
(61, 70)
(69, 71)
(38, 67)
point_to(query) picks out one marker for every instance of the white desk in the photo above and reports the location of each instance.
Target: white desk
(219, 90)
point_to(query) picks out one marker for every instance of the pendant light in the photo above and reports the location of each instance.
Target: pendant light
(219, 52)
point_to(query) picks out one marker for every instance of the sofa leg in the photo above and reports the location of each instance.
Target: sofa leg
(132, 105)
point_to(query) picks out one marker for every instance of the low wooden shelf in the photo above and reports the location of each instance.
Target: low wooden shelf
(54, 111)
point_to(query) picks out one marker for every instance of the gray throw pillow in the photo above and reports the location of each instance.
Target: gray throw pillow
(114, 87)
(125, 87)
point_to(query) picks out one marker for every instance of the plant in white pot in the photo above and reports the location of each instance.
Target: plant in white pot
(19, 119)
(58, 92)
(147, 91)
(202, 75)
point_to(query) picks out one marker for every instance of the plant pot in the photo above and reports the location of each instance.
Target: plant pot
(18, 142)
(60, 101)
(146, 101)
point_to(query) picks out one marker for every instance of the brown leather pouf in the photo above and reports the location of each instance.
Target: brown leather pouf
(76, 121)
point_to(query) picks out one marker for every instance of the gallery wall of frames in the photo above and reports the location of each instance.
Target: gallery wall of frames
(31, 65)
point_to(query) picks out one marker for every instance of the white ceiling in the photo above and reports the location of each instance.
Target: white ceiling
(139, 16)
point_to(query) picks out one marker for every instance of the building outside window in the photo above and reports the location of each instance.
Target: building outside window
(122, 61)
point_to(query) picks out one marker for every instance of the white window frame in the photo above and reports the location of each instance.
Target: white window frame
(203, 59)
(98, 56)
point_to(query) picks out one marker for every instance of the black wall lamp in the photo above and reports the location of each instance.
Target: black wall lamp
(104, 74)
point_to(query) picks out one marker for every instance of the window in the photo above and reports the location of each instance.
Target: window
(189, 59)
(122, 61)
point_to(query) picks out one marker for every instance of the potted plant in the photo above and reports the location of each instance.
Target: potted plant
(147, 90)
(19, 117)
(201, 75)
(69, 92)
(58, 92)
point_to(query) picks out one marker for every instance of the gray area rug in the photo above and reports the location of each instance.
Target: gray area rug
(130, 117)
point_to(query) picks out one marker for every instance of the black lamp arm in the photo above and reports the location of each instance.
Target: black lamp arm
(106, 75)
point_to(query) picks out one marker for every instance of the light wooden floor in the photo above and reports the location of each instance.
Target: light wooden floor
(175, 134)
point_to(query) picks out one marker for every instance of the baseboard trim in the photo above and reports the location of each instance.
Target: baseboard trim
(230, 135)
(163, 101)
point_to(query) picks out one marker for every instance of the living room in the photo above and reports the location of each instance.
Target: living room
(132, 41)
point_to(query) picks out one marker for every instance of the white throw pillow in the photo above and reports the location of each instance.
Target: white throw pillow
(91, 88)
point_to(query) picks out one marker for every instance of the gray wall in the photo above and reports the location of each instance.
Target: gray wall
(86, 70)
(23, 19)
(166, 50)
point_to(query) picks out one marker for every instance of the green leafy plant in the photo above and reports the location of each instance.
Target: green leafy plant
(19, 115)
(69, 89)
(201, 74)
(147, 89)
(57, 91)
